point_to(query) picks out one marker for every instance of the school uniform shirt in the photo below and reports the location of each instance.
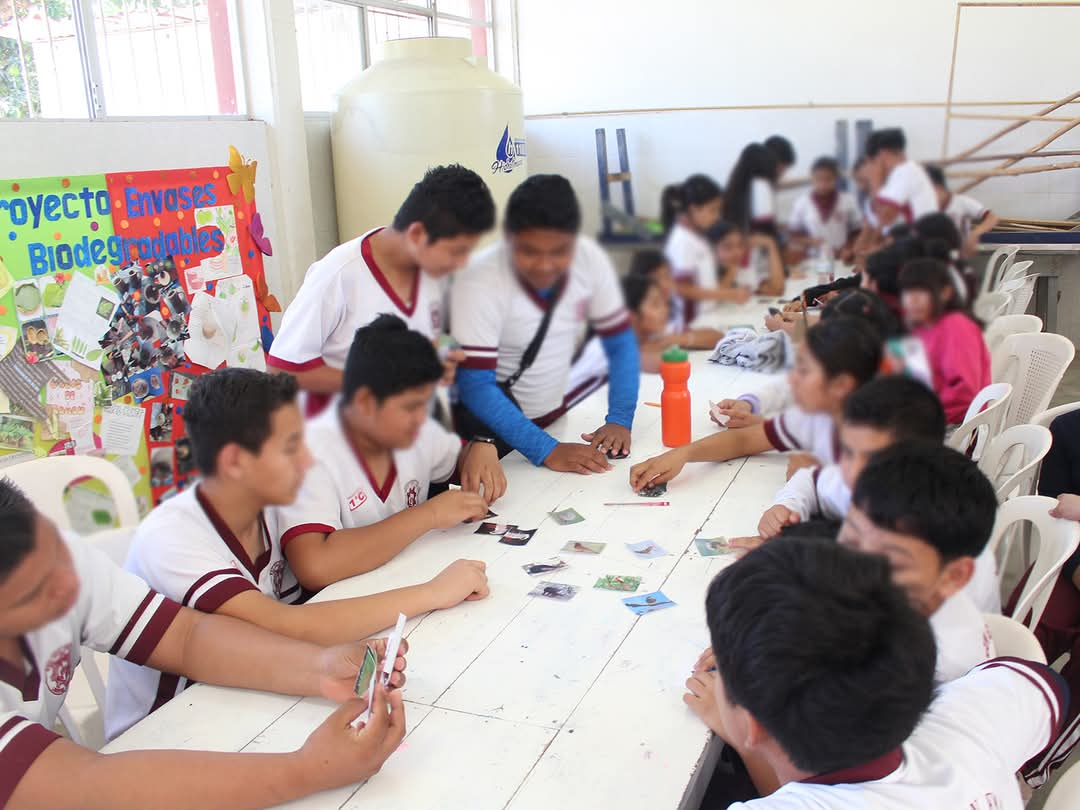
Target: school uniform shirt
(908, 189)
(339, 491)
(963, 640)
(964, 754)
(344, 290)
(754, 270)
(813, 433)
(762, 201)
(186, 551)
(965, 212)
(496, 314)
(692, 261)
(816, 491)
(868, 214)
(115, 612)
(831, 219)
(984, 588)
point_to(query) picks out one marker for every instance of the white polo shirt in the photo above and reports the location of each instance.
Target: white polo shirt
(833, 225)
(339, 491)
(908, 188)
(344, 290)
(962, 637)
(964, 754)
(816, 491)
(495, 315)
(762, 201)
(115, 613)
(813, 433)
(965, 211)
(186, 551)
(690, 257)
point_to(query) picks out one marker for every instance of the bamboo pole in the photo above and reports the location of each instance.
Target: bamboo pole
(1004, 171)
(1049, 223)
(1057, 133)
(1014, 126)
(952, 75)
(1007, 155)
(1004, 117)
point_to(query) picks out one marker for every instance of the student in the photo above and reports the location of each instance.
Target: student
(971, 217)
(392, 269)
(214, 547)
(58, 594)
(929, 510)
(903, 191)
(654, 265)
(838, 356)
(649, 318)
(748, 262)
(690, 210)
(881, 274)
(942, 240)
(537, 288)
(837, 703)
(869, 238)
(825, 219)
(884, 412)
(376, 455)
(750, 199)
(953, 340)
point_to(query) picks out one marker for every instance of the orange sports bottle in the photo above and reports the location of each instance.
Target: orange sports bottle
(675, 401)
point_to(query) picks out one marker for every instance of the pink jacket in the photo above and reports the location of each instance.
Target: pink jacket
(959, 360)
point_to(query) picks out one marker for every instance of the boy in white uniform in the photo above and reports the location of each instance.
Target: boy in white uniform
(537, 288)
(825, 687)
(904, 191)
(214, 547)
(970, 216)
(58, 594)
(366, 496)
(838, 355)
(826, 218)
(394, 269)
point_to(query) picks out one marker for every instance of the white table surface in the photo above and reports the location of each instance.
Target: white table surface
(516, 702)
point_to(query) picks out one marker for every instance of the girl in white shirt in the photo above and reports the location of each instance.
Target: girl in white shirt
(750, 201)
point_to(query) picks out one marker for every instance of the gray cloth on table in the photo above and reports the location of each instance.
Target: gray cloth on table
(765, 353)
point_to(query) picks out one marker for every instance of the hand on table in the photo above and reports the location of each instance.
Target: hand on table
(610, 439)
(775, 519)
(706, 661)
(657, 470)
(739, 414)
(576, 458)
(461, 581)
(455, 506)
(744, 545)
(796, 461)
(701, 698)
(339, 664)
(480, 466)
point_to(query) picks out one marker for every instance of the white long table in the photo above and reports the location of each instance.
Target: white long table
(517, 702)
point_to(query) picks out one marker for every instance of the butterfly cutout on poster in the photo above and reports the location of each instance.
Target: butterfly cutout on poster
(262, 292)
(258, 236)
(242, 174)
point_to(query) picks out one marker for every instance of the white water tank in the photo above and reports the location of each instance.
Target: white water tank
(425, 102)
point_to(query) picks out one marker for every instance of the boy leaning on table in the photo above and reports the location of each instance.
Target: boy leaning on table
(58, 594)
(214, 547)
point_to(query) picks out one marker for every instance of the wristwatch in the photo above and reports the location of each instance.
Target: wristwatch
(483, 440)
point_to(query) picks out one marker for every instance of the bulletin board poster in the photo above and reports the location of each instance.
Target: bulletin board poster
(116, 292)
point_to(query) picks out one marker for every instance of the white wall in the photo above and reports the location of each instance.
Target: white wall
(789, 60)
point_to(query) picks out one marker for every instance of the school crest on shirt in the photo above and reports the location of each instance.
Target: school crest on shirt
(357, 499)
(412, 493)
(58, 670)
(277, 576)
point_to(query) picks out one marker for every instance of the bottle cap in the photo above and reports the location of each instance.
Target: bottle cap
(675, 354)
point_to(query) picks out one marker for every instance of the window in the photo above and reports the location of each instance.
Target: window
(93, 58)
(336, 39)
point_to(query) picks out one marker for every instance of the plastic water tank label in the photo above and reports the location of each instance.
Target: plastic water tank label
(509, 153)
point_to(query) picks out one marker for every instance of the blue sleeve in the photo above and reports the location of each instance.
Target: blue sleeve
(479, 393)
(624, 376)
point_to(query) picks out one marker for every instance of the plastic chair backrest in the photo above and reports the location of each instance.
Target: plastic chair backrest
(1012, 272)
(1005, 325)
(1020, 291)
(1033, 364)
(45, 479)
(983, 421)
(1065, 795)
(992, 305)
(1057, 540)
(1012, 458)
(1013, 639)
(999, 261)
(1047, 417)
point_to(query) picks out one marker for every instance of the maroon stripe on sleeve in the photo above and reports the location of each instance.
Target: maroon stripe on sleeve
(288, 365)
(20, 753)
(773, 435)
(221, 593)
(480, 363)
(305, 528)
(132, 622)
(209, 575)
(155, 628)
(620, 326)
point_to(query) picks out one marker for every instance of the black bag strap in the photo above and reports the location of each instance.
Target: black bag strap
(533, 349)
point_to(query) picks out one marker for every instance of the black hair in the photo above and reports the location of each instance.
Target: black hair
(635, 287)
(782, 149)
(937, 175)
(812, 294)
(939, 234)
(544, 202)
(817, 528)
(883, 265)
(826, 163)
(719, 231)
(233, 406)
(903, 406)
(755, 161)
(816, 643)
(646, 262)
(449, 201)
(929, 491)
(933, 276)
(20, 523)
(387, 358)
(860, 161)
(864, 304)
(889, 140)
(697, 189)
(845, 345)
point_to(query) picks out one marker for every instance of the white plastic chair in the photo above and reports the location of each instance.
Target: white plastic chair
(1047, 417)
(1012, 272)
(1034, 365)
(1065, 795)
(983, 421)
(999, 261)
(1013, 639)
(1005, 325)
(1057, 540)
(1012, 458)
(44, 481)
(991, 305)
(1020, 291)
